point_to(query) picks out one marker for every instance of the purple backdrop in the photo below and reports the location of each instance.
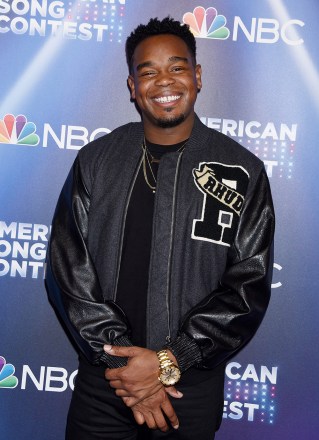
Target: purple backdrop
(63, 82)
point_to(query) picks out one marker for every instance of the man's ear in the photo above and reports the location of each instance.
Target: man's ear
(198, 74)
(131, 84)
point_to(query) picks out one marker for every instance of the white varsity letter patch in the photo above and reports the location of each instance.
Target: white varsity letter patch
(224, 188)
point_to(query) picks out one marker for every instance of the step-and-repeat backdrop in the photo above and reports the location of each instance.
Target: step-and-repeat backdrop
(62, 84)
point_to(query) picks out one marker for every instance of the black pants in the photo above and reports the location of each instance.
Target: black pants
(96, 413)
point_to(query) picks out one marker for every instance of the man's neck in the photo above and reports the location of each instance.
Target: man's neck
(168, 136)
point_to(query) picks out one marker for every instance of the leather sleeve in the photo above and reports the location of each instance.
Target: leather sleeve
(71, 280)
(227, 319)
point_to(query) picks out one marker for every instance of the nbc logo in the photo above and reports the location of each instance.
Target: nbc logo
(7, 378)
(206, 23)
(17, 130)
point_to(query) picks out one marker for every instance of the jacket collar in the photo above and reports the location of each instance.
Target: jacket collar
(198, 138)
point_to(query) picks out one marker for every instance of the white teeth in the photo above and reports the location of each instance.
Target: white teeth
(163, 99)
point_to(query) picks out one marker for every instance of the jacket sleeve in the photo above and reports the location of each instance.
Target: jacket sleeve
(71, 280)
(227, 318)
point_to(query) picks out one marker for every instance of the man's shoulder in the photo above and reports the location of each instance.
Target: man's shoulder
(235, 147)
(117, 137)
(109, 149)
(224, 145)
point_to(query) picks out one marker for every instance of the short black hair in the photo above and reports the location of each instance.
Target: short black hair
(157, 27)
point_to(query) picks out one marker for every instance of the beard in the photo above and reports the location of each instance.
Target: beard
(170, 122)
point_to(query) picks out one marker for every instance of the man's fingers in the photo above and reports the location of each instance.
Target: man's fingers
(113, 373)
(173, 392)
(138, 416)
(122, 393)
(160, 421)
(150, 420)
(130, 401)
(114, 350)
(116, 374)
(168, 410)
(115, 384)
(157, 411)
(153, 419)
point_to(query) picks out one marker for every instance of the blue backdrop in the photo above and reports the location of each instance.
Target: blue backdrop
(63, 82)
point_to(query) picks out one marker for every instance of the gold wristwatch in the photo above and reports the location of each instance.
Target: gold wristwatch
(169, 374)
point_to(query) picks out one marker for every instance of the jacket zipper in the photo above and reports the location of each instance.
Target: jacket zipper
(119, 256)
(169, 266)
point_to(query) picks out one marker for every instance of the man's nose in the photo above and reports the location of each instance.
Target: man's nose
(165, 79)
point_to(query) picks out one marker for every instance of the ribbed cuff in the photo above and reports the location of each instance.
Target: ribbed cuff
(116, 361)
(186, 352)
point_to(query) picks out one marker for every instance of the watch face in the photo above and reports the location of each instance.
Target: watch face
(170, 375)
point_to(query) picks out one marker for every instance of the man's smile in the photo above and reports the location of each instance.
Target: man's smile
(166, 99)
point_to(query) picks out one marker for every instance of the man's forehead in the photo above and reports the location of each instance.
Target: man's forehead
(172, 59)
(173, 47)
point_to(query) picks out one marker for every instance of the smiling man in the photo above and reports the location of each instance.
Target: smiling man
(165, 82)
(160, 256)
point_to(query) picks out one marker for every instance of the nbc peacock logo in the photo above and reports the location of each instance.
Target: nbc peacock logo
(17, 130)
(207, 23)
(7, 378)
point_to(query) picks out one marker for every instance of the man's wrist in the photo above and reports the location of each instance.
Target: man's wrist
(171, 356)
(169, 373)
(186, 351)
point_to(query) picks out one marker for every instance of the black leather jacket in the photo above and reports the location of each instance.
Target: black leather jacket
(211, 258)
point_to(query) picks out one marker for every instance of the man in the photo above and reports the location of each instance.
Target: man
(160, 256)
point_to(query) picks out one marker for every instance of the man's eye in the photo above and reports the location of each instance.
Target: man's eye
(148, 73)
(177, 69)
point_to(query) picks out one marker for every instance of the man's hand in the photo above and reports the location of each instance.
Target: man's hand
(152, 410)
(138, 385)
(139, 378)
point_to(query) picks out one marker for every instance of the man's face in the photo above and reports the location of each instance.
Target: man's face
(164, 81)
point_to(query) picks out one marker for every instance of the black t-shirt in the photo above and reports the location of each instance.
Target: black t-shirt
(133, 278)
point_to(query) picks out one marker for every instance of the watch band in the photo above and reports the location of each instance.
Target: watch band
(169, 373)
(163, 358)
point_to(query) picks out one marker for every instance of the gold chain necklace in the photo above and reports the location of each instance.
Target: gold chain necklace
(148, 159)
